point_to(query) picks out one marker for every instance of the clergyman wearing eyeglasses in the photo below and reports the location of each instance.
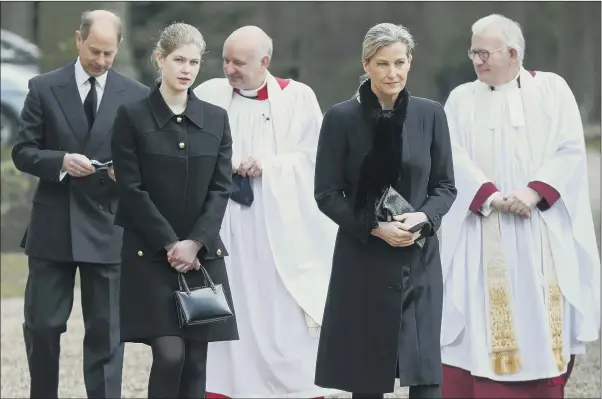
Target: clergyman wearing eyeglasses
(521, 269)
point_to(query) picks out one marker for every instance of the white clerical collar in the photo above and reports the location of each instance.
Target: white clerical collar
(514, 83)
(253, 93)
(81, 76)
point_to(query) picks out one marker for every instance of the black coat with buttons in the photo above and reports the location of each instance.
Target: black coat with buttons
(382, 317)
(174, 175)
(72, 218)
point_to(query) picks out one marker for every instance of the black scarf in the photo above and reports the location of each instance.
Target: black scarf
(381, 166)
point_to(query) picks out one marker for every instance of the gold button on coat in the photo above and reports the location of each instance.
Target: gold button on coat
(182, 145)
(140, 253)
(219, 252)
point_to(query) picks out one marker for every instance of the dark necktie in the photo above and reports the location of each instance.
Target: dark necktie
(90, 103)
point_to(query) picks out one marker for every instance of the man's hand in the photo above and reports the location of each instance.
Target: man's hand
(182, 255)
(250, 167)
(77, 165)
(394, 234)
(499, 203)
(522, 201)
(111, 172)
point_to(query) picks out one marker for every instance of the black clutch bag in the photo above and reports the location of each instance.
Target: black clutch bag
(393, 204)
(202, 305)
(242, 192)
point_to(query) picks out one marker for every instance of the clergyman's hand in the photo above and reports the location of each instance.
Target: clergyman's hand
(250, 167)
(500, 204)
(522, 201)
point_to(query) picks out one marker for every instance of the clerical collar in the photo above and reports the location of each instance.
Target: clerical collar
(259, 94)
(509, 85)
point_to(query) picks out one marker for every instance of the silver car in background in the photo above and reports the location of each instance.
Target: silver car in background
(14, 81)
(17, 50)
(19, 62)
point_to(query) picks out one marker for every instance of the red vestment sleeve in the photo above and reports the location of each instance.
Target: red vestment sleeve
(484, 192)
(549, 195)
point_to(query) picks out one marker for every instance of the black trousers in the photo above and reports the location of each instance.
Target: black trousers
(48, 304)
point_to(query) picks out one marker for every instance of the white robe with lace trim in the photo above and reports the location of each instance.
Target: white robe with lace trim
(280, 248)
(554, 154)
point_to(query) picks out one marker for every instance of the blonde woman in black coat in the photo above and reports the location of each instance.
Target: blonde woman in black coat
(172, 155)
(382, 318)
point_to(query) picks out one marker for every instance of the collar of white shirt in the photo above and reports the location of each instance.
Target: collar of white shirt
(81, 76)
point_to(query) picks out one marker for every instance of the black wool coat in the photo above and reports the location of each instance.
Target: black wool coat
(383, 310)
(174, 175)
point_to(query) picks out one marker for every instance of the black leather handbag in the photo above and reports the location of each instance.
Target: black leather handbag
(393, 204)
(202, 305)
(242, 192)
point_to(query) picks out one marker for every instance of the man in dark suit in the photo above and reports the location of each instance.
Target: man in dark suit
(66, 124)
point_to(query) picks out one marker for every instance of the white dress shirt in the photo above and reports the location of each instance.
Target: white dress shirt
(83, 87)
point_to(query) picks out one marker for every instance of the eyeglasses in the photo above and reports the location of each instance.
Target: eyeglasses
(483, 54)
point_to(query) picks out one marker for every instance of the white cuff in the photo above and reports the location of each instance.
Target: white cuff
(62, 175)
(486, 208)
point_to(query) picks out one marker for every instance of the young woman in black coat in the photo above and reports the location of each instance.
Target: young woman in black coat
(382, 318)
(172, 157)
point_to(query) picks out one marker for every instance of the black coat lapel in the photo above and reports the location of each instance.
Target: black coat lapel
(68, 98)
(105, 116)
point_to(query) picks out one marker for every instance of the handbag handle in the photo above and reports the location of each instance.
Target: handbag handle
(184, 285)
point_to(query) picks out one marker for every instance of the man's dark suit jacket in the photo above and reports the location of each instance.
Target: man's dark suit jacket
(71, 219)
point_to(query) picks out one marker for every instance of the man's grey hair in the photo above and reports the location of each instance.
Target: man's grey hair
(503, 28)
(267, 48)
(263, 45)
(88, 19)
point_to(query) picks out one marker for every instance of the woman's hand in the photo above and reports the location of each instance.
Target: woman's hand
(395, 234)
(411, 219)
(183, 255)
(196, 265)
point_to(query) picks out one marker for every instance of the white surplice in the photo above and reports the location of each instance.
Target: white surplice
(280, 248)
(538, 136)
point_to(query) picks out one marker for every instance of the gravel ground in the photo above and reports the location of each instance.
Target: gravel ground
(584, 383)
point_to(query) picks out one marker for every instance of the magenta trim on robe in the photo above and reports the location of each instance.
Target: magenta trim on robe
(459, 383)
(549, 195)
(262, 94)
(481, 196)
